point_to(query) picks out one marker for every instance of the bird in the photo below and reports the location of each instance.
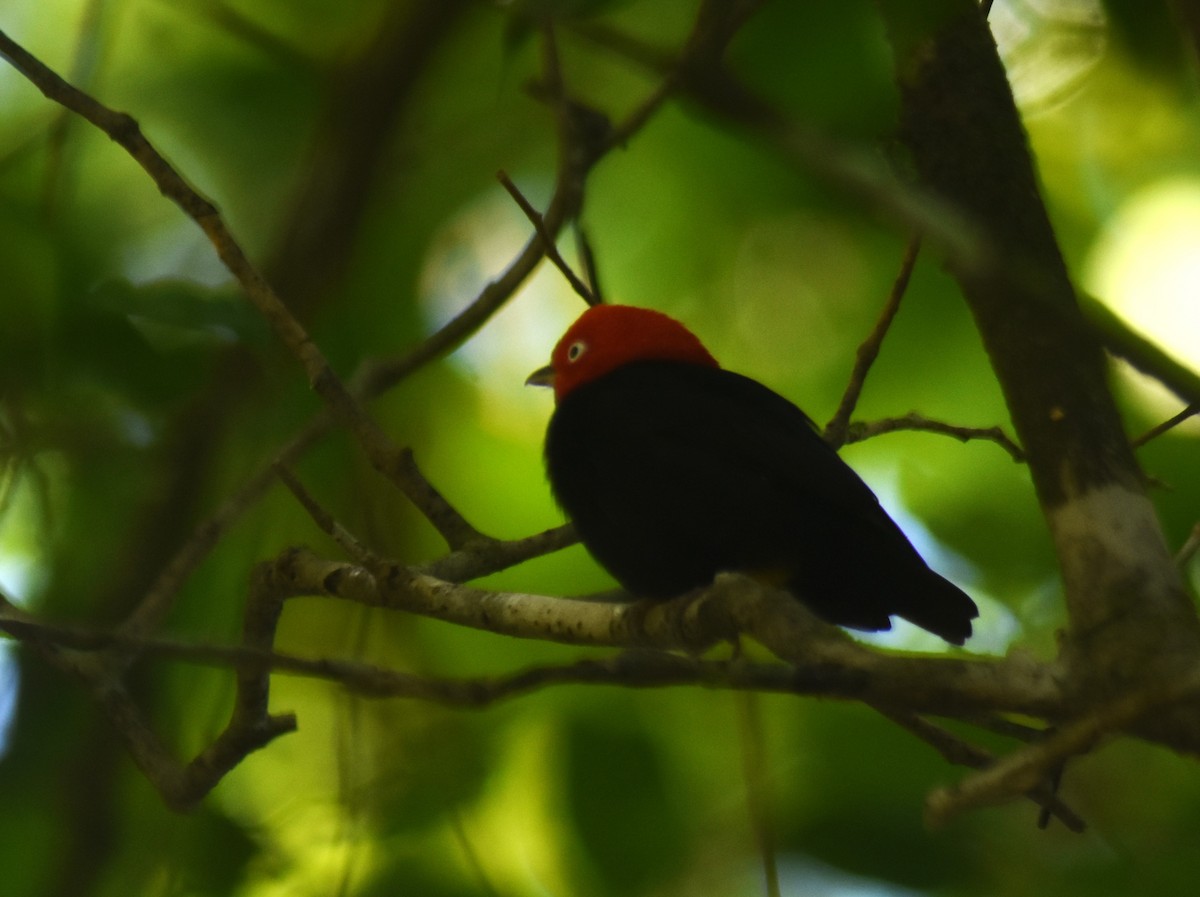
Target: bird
(674, 469)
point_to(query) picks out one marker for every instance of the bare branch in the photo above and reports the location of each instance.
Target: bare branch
(495, 555)
(156, 604)
(824, 660)
(1169, 424)
(1189, 548)
(852, 672)
(835, 431)
(643, 667)
(548, 244)
(859, 431)
(324, 520)
(95, 658)
(1126, 343)
(962, 753)
(1030, 767)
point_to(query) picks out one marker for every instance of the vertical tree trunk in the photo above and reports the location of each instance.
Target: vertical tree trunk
(1125, 599)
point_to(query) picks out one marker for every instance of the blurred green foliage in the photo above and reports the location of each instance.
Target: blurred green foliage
(137, 391)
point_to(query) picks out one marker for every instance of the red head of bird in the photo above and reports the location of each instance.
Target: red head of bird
(605, 337)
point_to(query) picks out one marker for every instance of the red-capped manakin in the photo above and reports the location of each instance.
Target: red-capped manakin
(674, 470)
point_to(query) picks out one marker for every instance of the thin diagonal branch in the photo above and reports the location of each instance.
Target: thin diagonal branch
(548, 245)
(1145, 356)
(1189, 548)
(835, 431)
(1170, 423)
(324, 520)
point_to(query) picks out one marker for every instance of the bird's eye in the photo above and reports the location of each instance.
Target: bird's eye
(576, 349)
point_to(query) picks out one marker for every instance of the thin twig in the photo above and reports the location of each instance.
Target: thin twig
(587, 259)
(835, 430)
(1033, 765)
(859, 431)
(1171, 422)
(963, 753)
(548, 243)
(324, 520)
(1009, 728)
(498, 554)
(1145, 356)
(1189, 548)
(156, 604)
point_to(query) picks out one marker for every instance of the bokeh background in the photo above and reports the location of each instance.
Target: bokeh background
(352, 146)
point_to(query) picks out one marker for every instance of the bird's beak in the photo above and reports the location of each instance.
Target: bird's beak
(541, 377)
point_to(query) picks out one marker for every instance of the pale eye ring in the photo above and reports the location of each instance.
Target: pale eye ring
(576, 349)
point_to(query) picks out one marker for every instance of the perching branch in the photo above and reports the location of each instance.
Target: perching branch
(644, 667)
(821, 660)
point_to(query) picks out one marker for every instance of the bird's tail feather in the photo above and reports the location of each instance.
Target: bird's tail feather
(938, 605)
